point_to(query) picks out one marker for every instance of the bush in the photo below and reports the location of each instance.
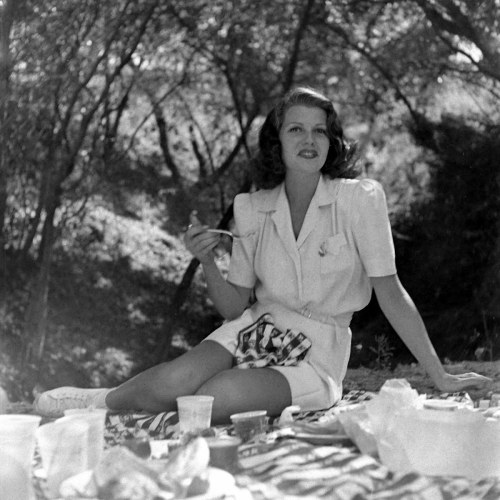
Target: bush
(453, 234)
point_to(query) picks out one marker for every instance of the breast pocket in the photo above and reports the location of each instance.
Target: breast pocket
(334, 254)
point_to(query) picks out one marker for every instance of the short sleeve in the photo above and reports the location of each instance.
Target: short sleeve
(372, 229)
(241, 266)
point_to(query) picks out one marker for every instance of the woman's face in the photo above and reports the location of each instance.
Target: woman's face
(304, 139)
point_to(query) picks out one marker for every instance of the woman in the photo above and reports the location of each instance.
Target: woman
(311, 245)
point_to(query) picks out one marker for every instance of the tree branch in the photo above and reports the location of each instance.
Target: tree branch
(157, 101)
(376, 64)
(202, 134)
(299, 35)
(455, 22)
(124, 60)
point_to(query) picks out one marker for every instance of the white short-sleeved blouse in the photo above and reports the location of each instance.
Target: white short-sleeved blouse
(313, 283)
(345, 239)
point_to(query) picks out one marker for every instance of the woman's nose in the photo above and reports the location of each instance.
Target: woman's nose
(309, 138)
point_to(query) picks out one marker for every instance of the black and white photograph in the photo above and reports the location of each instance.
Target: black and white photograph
(249, 250)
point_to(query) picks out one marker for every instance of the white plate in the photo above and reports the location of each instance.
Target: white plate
(321, 439)
(80, 486)
(441, 404)
(221, 484)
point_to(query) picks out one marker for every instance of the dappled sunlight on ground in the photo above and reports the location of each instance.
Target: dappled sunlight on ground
(146, 246)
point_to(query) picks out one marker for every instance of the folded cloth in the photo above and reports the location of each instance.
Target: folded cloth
(123, 425)
(262, 344)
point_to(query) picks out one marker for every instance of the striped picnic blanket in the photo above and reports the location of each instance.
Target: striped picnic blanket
(292, 469)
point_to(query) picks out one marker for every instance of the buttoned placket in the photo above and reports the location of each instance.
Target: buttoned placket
(294, 247)
(313, 215)
(281, 217)
(310, 221)
(283, 225)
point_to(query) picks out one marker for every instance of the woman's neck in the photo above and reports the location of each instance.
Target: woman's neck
(299, 192)
(300, 188)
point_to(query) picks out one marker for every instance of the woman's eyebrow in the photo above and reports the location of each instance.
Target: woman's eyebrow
(319, 124)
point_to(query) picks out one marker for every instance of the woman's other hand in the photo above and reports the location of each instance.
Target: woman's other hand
(477, 386)
(200, 242)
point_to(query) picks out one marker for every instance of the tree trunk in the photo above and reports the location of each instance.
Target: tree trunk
(299, 35)
(34, 222)
(6, 20)
(202, 163)
(164, 145)
(36, 318)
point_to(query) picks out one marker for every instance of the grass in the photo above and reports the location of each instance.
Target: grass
(372, 379)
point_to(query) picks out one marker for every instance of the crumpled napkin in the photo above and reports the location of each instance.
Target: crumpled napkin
(395, 395)
(356, 423)
(367, 423)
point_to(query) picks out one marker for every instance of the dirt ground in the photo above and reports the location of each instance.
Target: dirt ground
(372, 380)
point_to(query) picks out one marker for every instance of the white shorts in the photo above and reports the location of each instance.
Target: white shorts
(316, 382)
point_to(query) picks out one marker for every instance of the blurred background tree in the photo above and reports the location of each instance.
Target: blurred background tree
(117, 120)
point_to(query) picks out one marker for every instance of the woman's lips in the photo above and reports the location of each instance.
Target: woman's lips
(308, 153)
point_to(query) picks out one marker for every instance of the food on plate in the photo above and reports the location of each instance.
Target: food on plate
(118, 462)
(122, 475)
(132, 486)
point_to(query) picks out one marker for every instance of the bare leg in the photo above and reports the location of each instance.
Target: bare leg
(156, 388)
(245, 390)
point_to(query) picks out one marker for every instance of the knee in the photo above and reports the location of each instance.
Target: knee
(171, 381)
(221, 387)
(227, 397)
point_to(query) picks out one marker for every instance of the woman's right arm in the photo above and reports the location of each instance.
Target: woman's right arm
(230, 300)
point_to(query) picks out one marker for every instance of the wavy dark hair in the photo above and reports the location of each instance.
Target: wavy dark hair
(268, 168)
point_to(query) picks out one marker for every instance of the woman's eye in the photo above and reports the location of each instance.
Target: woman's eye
(294, 129)
(321, 131)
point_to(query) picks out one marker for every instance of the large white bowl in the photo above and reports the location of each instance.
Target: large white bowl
(434, 442)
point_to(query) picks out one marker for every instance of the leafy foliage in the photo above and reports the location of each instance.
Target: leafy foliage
(455, 231)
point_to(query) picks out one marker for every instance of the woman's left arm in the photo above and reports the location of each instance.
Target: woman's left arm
(402, 314)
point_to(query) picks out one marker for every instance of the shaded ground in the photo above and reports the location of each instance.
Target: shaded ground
(372, 380)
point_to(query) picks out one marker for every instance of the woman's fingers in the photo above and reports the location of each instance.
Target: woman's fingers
(195, 229)
(473, 375)
(475, 384)
(202, 239)
(200, 242)
(475, 379)
(204, 246)
(192, 233)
